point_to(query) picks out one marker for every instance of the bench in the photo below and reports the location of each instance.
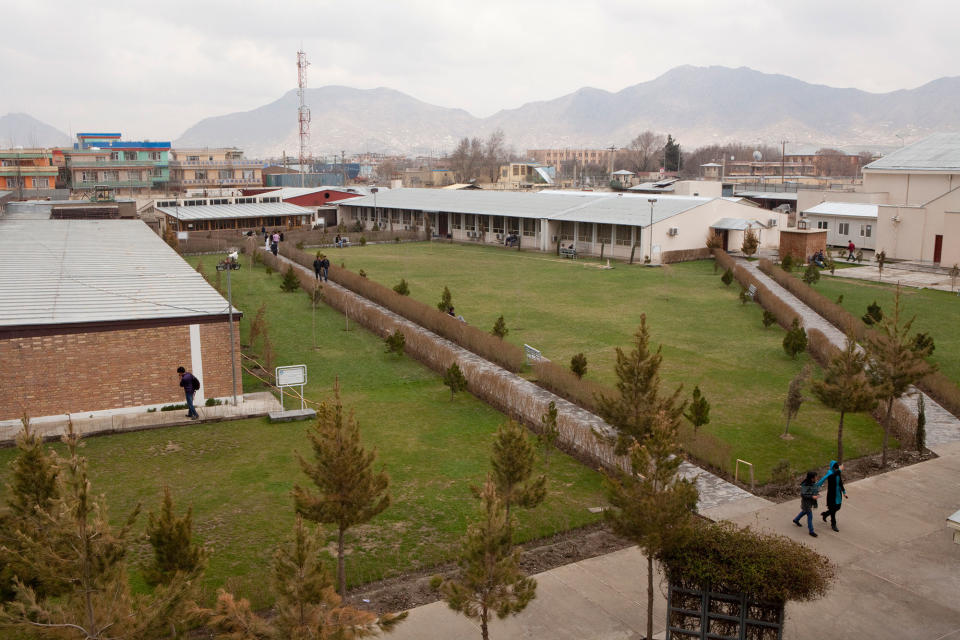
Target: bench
(344, 242)
(752, 291)
(568, 253)
(532, 354)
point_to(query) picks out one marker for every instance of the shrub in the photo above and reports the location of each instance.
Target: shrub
(213, 402)
(782, 473)
(269, 270)
(500, 328)
(811, 274)
(174, 407)
(786, 263)
(873, 315)
(923, 343)
(454, 379)
(363, 241)
(578, 365)
(290, 280)
(395, 342)
(396, 239)
(768, 318)
(750, 243)
(727, 276)
(744, 296)
(402, 287)
(299, 245)
(795, 342)
(362, 273)
(446, 301)
(357, 227)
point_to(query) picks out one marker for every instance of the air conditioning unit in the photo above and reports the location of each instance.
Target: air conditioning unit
(672, 231)
(772, 222)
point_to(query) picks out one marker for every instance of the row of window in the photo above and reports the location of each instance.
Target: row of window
(843, 228)
(16, 182)
(132, 155)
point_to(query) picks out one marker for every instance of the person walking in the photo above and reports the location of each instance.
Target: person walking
(275, 243)
(325, 266)
(317, 266)
(338, 241)
(808, 501)
(850, 251)
(190, 384)
(835, 492)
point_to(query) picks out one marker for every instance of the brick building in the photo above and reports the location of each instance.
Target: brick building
(99, 315)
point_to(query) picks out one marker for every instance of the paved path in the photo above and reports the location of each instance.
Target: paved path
(577, 425)
(904, 275)
(942, 426)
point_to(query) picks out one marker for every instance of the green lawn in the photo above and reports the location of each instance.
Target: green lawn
(936, 312)
(238, 475)
(563, 307)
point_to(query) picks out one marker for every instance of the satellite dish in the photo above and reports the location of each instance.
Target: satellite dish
(757, 156)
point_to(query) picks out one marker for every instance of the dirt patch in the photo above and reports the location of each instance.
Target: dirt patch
(413, 589)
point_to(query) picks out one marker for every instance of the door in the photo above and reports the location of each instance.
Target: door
(937, 248)
(442, 224)
(726, 239)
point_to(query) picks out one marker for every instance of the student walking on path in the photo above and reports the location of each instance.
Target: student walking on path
(190, 384)
(835, 492)
(808, 501)
(317, 266)
(850, 249)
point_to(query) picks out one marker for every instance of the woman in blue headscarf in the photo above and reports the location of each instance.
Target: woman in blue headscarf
(835, 492)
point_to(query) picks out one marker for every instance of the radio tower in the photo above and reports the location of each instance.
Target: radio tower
(303, 113)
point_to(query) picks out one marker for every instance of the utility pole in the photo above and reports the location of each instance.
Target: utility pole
(343, 166)
(303, 113)
(783, 151)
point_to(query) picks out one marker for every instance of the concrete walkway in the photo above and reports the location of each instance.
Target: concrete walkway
(897, 273)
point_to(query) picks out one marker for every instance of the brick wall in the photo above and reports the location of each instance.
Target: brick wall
(57, 370)
(800, 243)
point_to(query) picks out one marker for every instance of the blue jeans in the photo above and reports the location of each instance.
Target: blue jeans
(191, 410)
(809, 513)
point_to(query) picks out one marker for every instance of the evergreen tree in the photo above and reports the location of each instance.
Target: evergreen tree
(350, 492)
(795, 397)
(634, 409)
(500, 328)
(795, 341)
(845, 387)
(698, 411)
(307, 606)
(512, 462)
(490, 580)
(672, 158)
(873, 315)
(454, 379)
(395, 342)
(750, 243)
(811, 275)
(893, 365)
(921, 437)
(653, 503)
(290, 282)
(402, 287)
(727, 276)
(549, 432)
(768, 318)
(578, 365)
(923, 343)
(786, 263)
(446, 301)
(173, 548)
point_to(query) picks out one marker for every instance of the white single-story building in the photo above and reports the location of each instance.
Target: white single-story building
(665, 227)
(845, 222)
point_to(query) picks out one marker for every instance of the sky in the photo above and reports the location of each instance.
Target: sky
(152, 69)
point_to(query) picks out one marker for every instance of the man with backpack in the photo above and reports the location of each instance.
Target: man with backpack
(190, 384)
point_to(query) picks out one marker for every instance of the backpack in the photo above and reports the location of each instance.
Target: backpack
(196, 383)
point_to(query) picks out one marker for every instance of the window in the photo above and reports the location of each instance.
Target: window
(193, 158)
(41, 183)
(155, 155)
(199, 175)
(129, 155)
(823, 224)
(529, 227)
(843, 228)
(456, 220)
(497, 224)
(623, 235)
(603, 233)
(225, 174)
(115, 155)
(865, 230)
(516, 170)
(111, 176)
(249, 174)
(566, 230)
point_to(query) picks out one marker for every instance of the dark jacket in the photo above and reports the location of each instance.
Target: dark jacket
(317, 265)
(834, 480)
(189, 382)
(807, 493)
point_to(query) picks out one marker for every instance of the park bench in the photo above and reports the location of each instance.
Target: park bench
(344, 241)
(532, 354)
(567, 252)
(752, 291)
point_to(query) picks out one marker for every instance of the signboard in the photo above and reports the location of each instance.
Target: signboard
(183, 235)
(292, 376)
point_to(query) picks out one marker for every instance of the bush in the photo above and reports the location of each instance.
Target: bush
(290, 282)
(395, 342)
(923, 343)
(811, 274)
(454, 379)
(299, 245)
(213, 402)
(873, 315)
(402, 287)
(174, 407)
(362, 273)
(786, 263)
(446, 301)
(578, 365)
(363, 241)
(782, 473)
(357, 227)
(567, 385)
(795, 342)
(750, 243)
(396, 239)
(500, 328)
(744, 296)
(727, 276)
(768, 318)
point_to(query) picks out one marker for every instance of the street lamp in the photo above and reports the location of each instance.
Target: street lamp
(652, 201)
(228, 265)
(376, 213)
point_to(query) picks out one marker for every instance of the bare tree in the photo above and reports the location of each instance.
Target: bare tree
(495, 153)
(645, 149)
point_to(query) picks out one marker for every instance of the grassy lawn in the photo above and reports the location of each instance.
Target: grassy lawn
(238, 475)
(563, 307)
(936, 312)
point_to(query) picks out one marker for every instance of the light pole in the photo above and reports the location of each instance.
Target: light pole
(228, 265)
(652, 202)
(376, 212)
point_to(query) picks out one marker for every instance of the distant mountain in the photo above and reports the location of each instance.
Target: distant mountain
(21, 130)
(698, 105)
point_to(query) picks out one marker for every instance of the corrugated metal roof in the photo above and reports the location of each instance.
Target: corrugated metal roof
(737, 224)
(602, 208)
(939, 152)
(69, 271)
(844, 209)
(229, 211)
(767, 195)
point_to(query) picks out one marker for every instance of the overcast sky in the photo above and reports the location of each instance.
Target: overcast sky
(152, 69)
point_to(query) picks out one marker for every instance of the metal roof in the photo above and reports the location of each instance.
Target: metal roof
(70, 271)
(939, 152)
(767, 195)
(602, 207)
(623, 172)
(844, 209)
(737, 224)
(231, 211)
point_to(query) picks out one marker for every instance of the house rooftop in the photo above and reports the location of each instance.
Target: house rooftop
(844, 209)
(232, 211)
(939, 152)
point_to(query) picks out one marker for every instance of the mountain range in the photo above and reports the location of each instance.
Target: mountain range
(22, 130)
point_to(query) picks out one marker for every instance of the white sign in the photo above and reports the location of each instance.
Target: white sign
(183, 235)
(293, 375)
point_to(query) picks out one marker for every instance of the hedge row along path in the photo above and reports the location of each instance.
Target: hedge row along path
(523, 399)
(942, 427)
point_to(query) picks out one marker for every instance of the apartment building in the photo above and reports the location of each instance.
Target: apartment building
(206, 169)
(127, 167)
(27, 173)
(524, 175)
(556, 157)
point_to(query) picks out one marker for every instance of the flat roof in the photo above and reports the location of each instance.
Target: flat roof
(737, 224)
(767, 195)
(79, 271)
(580, 206)
(939, 152)
(231, 211)
(844, 209)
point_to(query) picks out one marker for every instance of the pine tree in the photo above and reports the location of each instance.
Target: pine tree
(500, 328)
(549, 432)
(307, 606)
(446, 301)
(768, 318)
(698, 411)
(811, 275)
(395, 342)
(173, 548)
(578, 365)
(921, 435)
(750, 243)
(512, 462)
(454, 379)
(402, 287)
(795, 398)
(893, 365)
(923, 342)
(350, 492)
(653, 503)
(873, 315)
(290, 282)
(795, 341)
(490, 580)
(727, 276)
(634, 409)
(845, 387)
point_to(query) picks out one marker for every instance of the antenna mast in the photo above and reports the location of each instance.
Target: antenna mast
(303, 113)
